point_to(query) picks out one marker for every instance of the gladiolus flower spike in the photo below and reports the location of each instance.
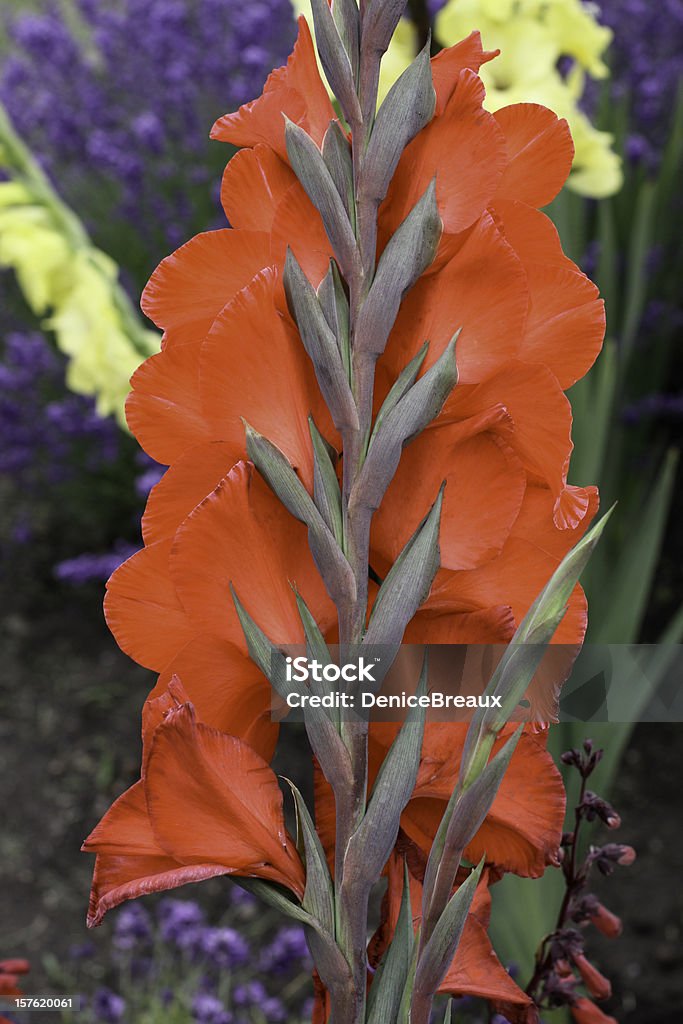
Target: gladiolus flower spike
(360, 399)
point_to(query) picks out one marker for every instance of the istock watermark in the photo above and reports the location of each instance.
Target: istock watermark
(594, 683)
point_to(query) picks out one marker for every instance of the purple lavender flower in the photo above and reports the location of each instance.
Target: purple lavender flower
(87, 567)
(250, 994)
(647, 65)
(107, 1006)
(224, 948)
(273, 1010)
(133, 927)
(287, 951)
(140, 114)
(181, 922)
(208, 1009)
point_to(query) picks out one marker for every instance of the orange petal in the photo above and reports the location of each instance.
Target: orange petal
(541, 426)
(295, 90)
(484, 489)
(211, 798)
(189, 288)
(566, 324)
(254, 182)
(515, 578)
(522, 831)
(464, 148)
(242, 534)
(227, 689)
(194, 475)
(143, 611)
(117, 879)
(540, 152)
(130, 862)
(531, 233)
(277, 389)
(164, 408)
(297, 225)
(481, 290)
(448, 64)
(484, 626)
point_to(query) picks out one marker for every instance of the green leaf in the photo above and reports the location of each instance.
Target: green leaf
(466, 810)
(525, 651)
(633, 572)
(408, 107)
(406, 256)
(310, 168)
(392, 974)
(335, 307)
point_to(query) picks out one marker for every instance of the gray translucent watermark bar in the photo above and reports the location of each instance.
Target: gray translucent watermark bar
(625, 683)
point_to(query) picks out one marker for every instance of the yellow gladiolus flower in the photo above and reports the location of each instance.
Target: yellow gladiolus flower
(68, 282)
(532, 36)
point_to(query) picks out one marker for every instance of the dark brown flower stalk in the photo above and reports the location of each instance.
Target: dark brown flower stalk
(561, 962)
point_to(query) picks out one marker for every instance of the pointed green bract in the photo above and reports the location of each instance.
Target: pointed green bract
(371, 845)
(321, 345)
(407, 109)
(311, 170)
(407, 584)
(438, 953)
(406, 417)
(406, 256)
(392, 974)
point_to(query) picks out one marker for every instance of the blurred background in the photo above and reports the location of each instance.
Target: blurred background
(105, 167)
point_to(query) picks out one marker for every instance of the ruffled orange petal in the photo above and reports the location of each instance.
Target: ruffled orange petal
(143, 611)
(210, 797)
(242, 534)
(464, 148)
(481, 290)
(485, 486)
(189, 288)
(566, 324)
(540, 152)
(541, 427)
(522, 831)
(295, 90)
(227, 689)
(254, 182)
(120, 878)
(277, 390)
(447, 65)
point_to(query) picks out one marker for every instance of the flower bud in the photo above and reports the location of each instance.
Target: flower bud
(584, 1011)
(597, 984)
(14, 966)
(605, 921)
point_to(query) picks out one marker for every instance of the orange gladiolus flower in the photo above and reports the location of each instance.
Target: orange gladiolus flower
(530, 324)
(207, 804)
